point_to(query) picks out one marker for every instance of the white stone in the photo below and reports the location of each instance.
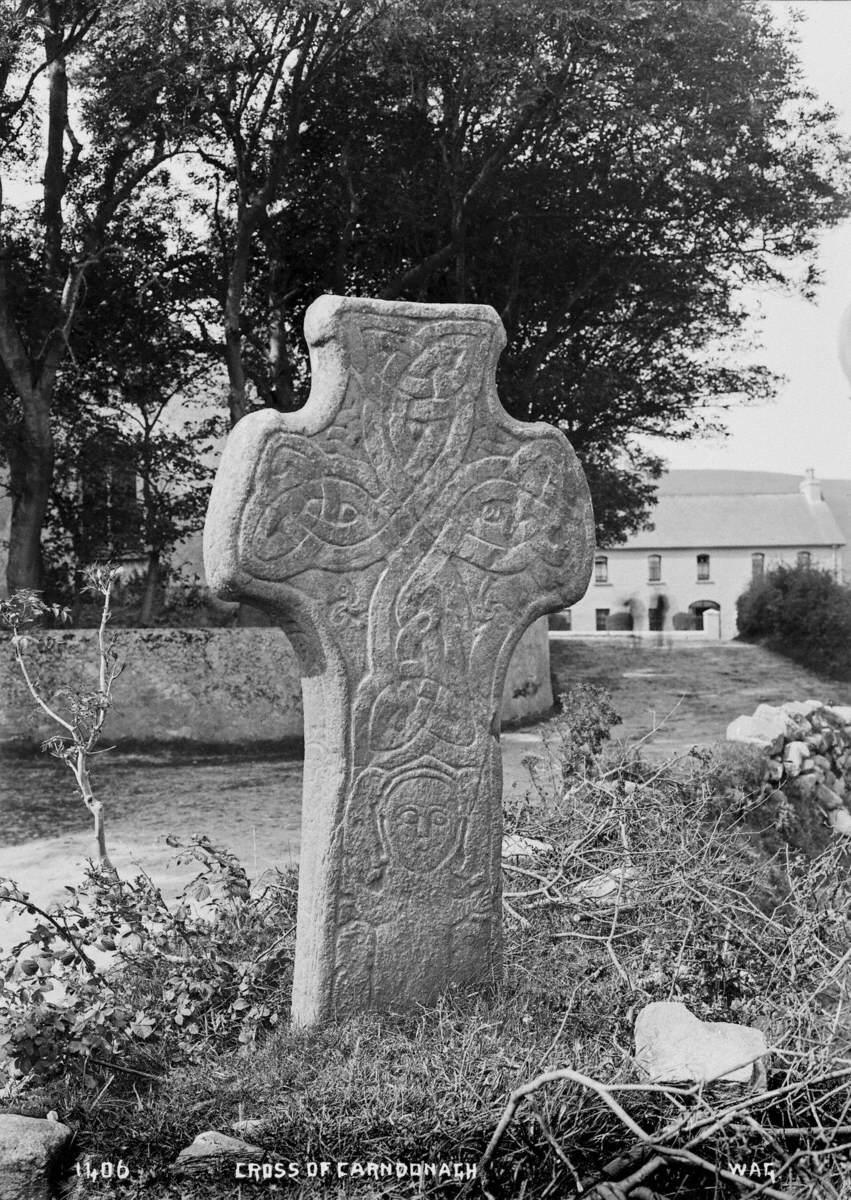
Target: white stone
(672, 1045)
(842, 712)
(800, 708)
(766, 712)
(514, 845)
(796, 758)
(781, 718)
(753, 732)
(605, 887)
(840, 820)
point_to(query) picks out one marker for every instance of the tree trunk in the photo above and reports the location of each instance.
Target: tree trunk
(33, 380)
(104, 861)
(95, 807)
(237, 278)
(152, 580)
(30, 482)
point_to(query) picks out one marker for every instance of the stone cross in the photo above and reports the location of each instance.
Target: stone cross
(404, 531)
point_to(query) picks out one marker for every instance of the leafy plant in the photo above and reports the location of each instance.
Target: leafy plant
(803, 613)
(584, 724)
(86, 711)
(206, 971)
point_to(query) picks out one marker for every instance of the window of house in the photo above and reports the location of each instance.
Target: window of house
(600, 615)
(804, 559)
(654, 567)
(702, 566)
(601, 569)
(757, 566)
(566, 618)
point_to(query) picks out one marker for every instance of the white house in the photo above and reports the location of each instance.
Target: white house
(713, 531)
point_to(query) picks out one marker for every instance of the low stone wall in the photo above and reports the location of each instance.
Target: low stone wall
(208, 685)
(807, 748)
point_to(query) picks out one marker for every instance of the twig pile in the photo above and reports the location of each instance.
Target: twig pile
(660, 873)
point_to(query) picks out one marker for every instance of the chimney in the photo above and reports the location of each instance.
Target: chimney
(811, 488)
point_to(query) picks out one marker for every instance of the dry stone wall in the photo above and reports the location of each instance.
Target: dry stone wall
(807, 748)
(217, 686)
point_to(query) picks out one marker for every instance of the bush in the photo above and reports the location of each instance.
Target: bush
(619, 620)
(692, 909)
(205, 972)
(802, 613)
(574, 738)
(560, 620)
(698, 914)
(683, 620)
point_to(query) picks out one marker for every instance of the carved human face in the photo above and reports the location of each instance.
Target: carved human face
(420, 823)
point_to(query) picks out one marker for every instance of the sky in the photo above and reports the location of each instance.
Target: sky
(809, 422)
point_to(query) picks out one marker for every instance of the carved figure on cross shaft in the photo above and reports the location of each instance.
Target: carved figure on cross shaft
(404, 531)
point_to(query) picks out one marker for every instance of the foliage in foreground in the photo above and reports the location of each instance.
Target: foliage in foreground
(533, 1080)
(803, 613)
(79, 730)
(206, 972)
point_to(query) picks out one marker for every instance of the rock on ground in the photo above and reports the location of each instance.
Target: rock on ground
(767, 733)
(810, 760)
(210, 1149)
(674, 1046)
(515, 845)
(840, 820)
(249, 1126)
(608, 887)
(31, 1150)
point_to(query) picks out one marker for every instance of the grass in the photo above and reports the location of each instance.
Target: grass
(532, 1078)
(692, 689)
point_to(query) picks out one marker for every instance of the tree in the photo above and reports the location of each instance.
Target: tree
(134, 421)
(801, 612)
(83, 90)
(607, 175)
(264, 62)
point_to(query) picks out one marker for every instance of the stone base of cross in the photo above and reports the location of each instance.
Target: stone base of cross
(404, 531)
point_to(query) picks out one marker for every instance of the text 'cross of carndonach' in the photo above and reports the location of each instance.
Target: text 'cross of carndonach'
(404, 531)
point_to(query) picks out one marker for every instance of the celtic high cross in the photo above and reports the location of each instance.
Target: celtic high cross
(404, 531)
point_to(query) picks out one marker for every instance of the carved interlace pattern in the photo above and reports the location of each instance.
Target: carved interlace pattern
(418, 533)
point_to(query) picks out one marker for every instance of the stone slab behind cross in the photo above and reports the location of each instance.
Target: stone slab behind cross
(405, 531)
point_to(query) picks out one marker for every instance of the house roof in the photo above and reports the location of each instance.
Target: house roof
(722, 483)
(726, 509)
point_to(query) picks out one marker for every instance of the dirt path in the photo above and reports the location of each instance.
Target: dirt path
(690, 691)
(252, 807)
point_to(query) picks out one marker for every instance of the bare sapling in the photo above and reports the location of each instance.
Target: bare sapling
(86, 711)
